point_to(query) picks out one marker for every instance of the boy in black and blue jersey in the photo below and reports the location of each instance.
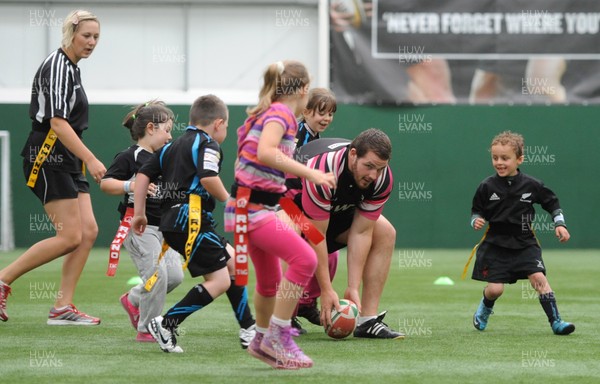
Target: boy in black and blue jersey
(190, 167)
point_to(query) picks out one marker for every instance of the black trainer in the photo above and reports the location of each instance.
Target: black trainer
(377, 329)
(310, 313)
(296, 324)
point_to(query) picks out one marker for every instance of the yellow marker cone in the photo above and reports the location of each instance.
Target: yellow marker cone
(444, 280)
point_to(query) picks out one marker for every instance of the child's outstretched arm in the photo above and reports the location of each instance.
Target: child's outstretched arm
(269, 154)
(113, 186)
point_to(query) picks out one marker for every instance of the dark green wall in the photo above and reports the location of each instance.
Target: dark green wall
(440, 156)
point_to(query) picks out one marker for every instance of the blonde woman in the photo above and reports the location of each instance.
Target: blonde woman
(54, 158)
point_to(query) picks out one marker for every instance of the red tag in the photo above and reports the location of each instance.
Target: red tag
(241, 235)
(308, 229)
(115, 246)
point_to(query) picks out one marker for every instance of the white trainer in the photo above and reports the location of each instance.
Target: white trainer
(164, 337)
(246, 335)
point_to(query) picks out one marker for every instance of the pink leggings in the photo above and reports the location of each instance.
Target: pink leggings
(312, 290)
(273, 241)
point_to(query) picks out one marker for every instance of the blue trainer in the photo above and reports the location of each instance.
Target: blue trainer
(480, 318)
(560, 327)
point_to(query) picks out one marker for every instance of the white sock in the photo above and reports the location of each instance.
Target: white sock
(282, 323)
(61, 308)
(261, 330)
(363, 319)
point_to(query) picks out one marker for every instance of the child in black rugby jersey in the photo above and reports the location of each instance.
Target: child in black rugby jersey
(316, 118)
(317, 115)
(510, 250)
(190, 167)
(150, 125)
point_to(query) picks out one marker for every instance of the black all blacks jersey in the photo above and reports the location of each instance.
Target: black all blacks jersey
(507, 204)
(182, 164)
(125, 166)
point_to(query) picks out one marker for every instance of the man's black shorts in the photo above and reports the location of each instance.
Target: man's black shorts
(208, 252)
(496, 264)
(338, 224)
(53, 184)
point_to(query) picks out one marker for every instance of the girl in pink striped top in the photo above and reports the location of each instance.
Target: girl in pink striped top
(265, 147)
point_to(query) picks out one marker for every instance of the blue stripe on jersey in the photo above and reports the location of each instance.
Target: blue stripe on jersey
(196, 187)
(162, 153)
(195, 147)
(195, 150)
(302, 128)
(182, 216)
(210, 217)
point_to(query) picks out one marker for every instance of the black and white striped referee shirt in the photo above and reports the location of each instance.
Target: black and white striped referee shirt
(56, 92)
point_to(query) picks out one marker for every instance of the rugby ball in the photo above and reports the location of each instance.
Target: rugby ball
(343, 322)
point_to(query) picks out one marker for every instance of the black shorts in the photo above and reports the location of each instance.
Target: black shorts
(338, 224)
(53, 184)
(208, 252)
(496, 264)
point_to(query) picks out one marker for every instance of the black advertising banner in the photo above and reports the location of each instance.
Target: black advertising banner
(465, 51)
